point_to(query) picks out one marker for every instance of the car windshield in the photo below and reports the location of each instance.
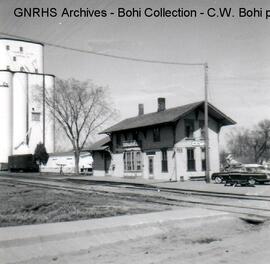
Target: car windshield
(236, 169)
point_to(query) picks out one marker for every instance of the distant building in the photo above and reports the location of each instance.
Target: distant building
(66, 160)
(168, 144)
(22, 108)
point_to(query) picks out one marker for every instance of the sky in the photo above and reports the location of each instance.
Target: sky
(236, 50)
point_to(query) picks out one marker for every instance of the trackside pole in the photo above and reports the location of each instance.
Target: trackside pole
(207, 160)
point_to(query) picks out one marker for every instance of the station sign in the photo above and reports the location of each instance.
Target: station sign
(197, 143)
(149, 153)
(192, 143)
(130, 143)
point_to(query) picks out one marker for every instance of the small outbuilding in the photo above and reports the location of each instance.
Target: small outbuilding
(102, 156)
(65, 161)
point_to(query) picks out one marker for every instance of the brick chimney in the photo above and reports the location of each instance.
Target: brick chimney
(161, 104)
(141, 109)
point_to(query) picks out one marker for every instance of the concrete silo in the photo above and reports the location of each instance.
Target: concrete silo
(50, 122)
(5, 115)
(19, 113)
(35, 112)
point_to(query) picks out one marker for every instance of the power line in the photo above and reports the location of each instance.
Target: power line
(105, 54)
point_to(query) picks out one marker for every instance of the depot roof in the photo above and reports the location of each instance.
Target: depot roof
(100, 144)
(169, 116)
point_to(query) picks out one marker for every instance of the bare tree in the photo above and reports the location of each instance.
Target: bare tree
(251, 145)
(81, 109)
(222, 156)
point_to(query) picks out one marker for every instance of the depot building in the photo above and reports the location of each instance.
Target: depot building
(168, 144)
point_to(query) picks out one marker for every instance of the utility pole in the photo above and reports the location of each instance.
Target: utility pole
(27, 110)
(207, 160)
(43, 95)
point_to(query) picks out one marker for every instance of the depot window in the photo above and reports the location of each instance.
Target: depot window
(156, 134)
(21, 49)
(190, 160)
(132, 161)
(135, 136)
(7, 47)
(118, 140)
(35, 116)
(189, 128)
(164, 161)
(201, 126)
(203, 159)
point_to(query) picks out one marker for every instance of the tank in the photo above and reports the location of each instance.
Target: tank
(20, 113)
(5, 115)
(50, 122)
(35, 110)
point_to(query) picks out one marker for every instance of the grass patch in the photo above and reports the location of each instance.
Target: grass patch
(24, 205)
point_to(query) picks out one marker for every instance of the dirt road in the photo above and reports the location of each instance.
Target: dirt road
(226, 241)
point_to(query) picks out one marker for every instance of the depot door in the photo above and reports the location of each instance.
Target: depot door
(107, 162)
(151, 167)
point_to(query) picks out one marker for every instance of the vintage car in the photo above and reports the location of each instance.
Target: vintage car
(243, 175)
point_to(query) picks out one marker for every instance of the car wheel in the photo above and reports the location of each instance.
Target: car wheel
(218, 179)
(251, 181)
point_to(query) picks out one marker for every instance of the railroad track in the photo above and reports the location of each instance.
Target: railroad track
(174, 190)
(149, 187)
(165, 196)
